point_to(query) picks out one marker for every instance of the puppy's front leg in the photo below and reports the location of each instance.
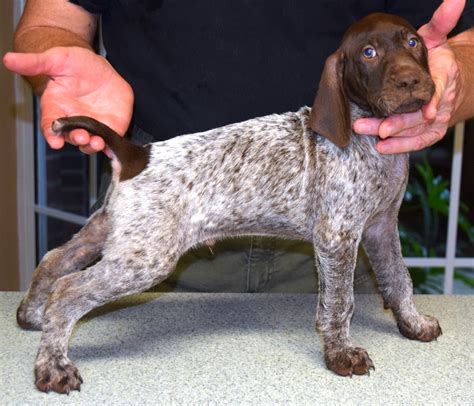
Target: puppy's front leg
(381, 242)
(336, 254)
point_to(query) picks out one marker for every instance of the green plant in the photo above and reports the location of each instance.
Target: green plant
(429, 194)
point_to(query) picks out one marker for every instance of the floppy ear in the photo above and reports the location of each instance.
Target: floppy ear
(330, 114)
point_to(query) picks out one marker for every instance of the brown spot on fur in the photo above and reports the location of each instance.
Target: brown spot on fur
(136, 160)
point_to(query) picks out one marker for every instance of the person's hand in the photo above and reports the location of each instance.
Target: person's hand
(414, 131)
(79, 83)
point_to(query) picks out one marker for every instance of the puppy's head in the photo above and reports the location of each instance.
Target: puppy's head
(382, 66)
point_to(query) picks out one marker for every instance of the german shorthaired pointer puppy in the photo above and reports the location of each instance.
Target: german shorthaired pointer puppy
(299, 175)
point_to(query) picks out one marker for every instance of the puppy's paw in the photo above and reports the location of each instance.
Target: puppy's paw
(348, 361)
(57, 374)
(28, 318)
(423, 328)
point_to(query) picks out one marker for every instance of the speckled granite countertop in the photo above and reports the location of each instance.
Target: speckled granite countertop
(180, 348)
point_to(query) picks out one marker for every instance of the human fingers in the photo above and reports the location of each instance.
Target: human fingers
(32, 64)
(447, 83)
(87, 143)
(93, 150)
(367, 126)
(78, 137)
(95, 145)
(389, 126)
(54, 140)
(414, 141)
(442, 22)
(397, 123)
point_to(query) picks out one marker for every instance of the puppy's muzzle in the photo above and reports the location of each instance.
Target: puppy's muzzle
(408, 87)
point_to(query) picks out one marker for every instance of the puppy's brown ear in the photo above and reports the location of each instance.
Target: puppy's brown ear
(330, 114)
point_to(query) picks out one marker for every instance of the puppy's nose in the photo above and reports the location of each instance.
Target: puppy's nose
(407, 80)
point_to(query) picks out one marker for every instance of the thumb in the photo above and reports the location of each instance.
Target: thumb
(442, 22)
(54, 140)
(32, 64)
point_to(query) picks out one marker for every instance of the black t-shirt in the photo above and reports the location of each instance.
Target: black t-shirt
(197, 65)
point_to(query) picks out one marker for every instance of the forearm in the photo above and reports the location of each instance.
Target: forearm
(463, 48)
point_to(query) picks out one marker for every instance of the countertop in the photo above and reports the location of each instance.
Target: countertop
(189, 348)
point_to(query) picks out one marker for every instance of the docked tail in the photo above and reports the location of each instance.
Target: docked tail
(132, 158)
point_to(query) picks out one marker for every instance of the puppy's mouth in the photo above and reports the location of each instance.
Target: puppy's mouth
(410, 106)
(396, 102)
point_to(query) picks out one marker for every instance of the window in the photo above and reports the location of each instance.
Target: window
(66, 188)
(436, 222)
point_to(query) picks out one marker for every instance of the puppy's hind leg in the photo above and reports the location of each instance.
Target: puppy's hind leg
(381, 242)
(73, 256)
(76, 294)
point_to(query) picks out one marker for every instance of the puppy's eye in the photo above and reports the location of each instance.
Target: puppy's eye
(413, 42)
(369, 52)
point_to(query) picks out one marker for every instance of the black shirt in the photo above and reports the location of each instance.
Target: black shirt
(197, 65)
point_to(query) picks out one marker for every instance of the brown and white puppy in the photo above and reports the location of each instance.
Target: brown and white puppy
(271, 176)
(381, 66)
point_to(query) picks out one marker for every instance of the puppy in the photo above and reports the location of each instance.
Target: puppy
(299, 175)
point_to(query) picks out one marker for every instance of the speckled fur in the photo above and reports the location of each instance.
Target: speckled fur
(269, 176)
